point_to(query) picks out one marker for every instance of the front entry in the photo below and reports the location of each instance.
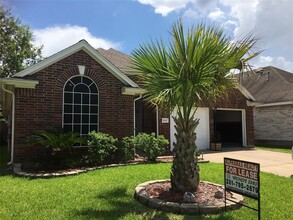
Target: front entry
(145, 118)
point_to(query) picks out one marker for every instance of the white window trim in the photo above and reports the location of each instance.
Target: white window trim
(98, 104)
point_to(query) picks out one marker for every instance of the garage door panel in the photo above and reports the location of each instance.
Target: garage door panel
(202, 130)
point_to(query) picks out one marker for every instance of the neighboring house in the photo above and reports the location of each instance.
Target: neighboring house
(273, 111)
(83, 89)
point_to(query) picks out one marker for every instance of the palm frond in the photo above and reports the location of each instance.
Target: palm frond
(193, 67)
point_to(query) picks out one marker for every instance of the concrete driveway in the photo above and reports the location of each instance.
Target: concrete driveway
(271, 162)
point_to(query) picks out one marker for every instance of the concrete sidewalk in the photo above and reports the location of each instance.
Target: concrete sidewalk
(271, 162)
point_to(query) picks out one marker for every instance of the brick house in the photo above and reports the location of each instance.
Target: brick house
(273, 111)
(83, 89)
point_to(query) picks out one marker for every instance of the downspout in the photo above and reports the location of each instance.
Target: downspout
(134, 121)
(12, 122)
(157, 119)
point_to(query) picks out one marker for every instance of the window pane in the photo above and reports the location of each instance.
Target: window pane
(67, 128)
(93, 88)
(93, 127)
(77, 119)
(76, 128)
(68, 87)
(81, 88)
(67, 118)
(77, 108)
(94, 109)
(94, 99)
(85, 129)
(86, 81)
(68, 97)
(85, 119)
(85, 99)
(94, 119)
(76, 80)
(77, 98)
(85, 109)
(67, 108)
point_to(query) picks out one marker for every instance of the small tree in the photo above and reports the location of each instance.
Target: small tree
(178, 77)
(16, 48)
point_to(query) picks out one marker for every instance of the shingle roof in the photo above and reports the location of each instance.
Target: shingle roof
(269, 85)
(119, 59)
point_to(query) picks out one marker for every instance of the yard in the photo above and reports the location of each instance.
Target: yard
(108, 194)
(285, 149)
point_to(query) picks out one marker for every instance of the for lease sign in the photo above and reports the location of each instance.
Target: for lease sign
(242, 177)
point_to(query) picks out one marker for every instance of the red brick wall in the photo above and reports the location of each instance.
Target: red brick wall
(41, 108)
(164, 128)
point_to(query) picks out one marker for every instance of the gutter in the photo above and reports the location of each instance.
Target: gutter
(12, 122)
(259, 105)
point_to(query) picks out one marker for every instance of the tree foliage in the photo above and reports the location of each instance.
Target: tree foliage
(16, 48)
(192, 69)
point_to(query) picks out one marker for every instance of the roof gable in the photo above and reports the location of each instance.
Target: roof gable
(86, 47)
(269, 85)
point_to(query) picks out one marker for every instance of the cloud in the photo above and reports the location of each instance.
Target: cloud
(217, 14)
(190, 13)
(243, 13)
(164, 7)
(204, 5)
(273, 21)
(279, 62)
(269, 20)
(57, 38)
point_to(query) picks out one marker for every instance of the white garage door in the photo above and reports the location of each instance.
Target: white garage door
(202, 130)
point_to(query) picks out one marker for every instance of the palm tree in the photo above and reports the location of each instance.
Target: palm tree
(192, 69)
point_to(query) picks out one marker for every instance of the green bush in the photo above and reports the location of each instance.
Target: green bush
(57, 142)
(101, 146)
(150, 145)
(127, 148)
(59, 149)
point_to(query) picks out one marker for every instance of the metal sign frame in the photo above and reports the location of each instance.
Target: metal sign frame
(242, 177)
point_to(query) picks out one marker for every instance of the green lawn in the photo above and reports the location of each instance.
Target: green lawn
(286, 149)
(108, 194)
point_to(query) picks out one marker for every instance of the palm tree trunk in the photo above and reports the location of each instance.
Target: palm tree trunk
(185, 171)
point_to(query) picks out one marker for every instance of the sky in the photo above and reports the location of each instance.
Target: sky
(126, 24)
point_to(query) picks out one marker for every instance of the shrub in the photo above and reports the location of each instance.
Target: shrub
(57, 142)
(150, 145)
(127, 149)
(101, 146)
(59, 145)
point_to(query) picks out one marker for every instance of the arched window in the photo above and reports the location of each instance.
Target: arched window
(80, 105)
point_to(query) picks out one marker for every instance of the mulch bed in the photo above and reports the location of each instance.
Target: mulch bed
(205, 193)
